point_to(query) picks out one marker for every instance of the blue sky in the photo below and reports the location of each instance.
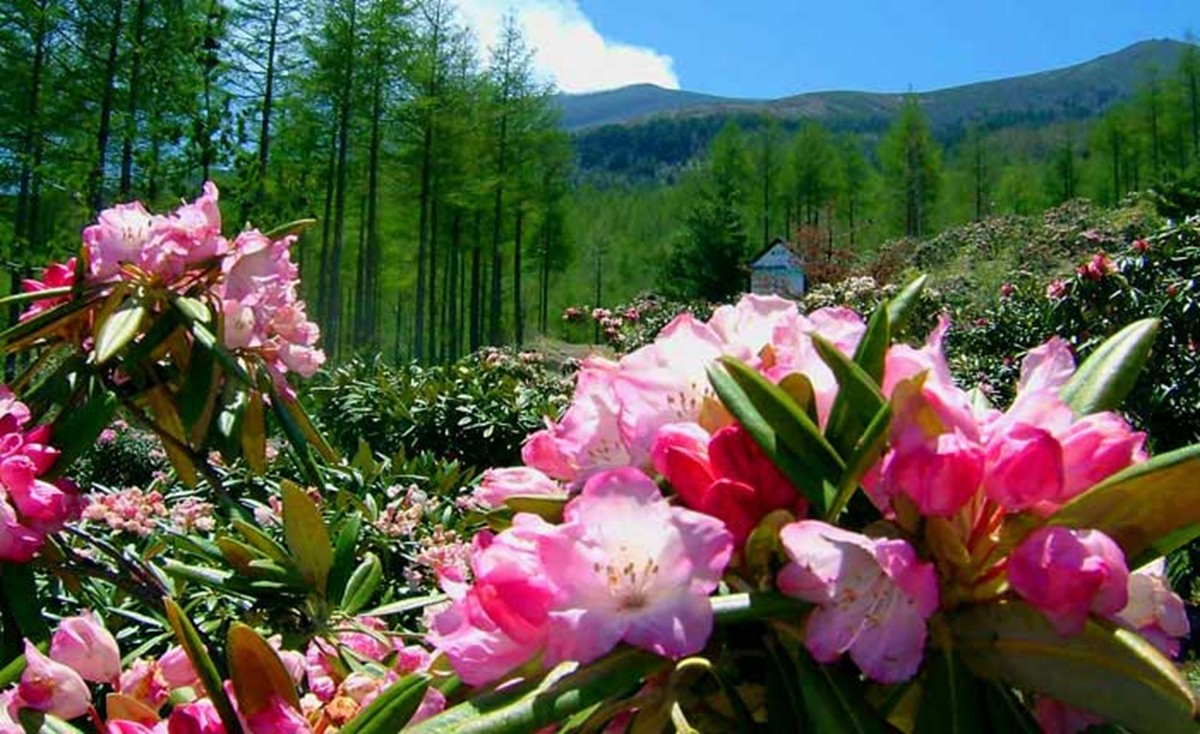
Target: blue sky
(772, 48)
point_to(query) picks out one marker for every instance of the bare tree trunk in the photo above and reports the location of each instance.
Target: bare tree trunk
(518, 309)
(373, 255)
(433, 263)
(104, 129)
(264, 130)
(339, 201)
(476, 287)
(135, 76)
(497, 233)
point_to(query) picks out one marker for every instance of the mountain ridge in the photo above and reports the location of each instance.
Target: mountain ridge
(1074, 91)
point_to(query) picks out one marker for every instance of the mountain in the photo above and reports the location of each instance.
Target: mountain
(1073, 92)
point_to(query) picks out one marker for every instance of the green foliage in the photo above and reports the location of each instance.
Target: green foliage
(477, 411)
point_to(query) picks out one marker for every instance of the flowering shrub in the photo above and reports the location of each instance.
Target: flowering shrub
(759, 518)
(627, 326)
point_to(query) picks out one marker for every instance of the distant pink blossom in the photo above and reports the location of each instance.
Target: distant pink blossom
(873, 597)
(55, 275)
(1056, 289)
(1068, 574)
(630, 567)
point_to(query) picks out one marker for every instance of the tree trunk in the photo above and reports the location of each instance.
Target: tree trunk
(339, 202)
(518, 312)
(264, 130)
(497, 232)
(135, 75)
(373, 255)
(423, 238)
(476, 286)
(104, 129)
(323, 269)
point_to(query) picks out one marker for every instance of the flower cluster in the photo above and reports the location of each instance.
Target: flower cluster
(82, 652)
(251, 280)
(964, 493)
(30, 507)
(131, 510)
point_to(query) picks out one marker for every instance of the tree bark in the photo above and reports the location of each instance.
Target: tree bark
(135, 76)
(104, 129)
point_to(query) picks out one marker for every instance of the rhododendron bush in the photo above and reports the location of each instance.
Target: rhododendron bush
(762, 520)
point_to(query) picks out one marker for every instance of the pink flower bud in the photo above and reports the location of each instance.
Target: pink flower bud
(83, 644)
(177, 669)
(52, 687)
(1066, 574)
(200, 717)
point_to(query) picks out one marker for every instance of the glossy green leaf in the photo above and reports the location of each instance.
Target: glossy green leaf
(307, 538)
(547, 507)
(858, 399)
(295, 227)
(193, 310)
(861, 457)
(1106, 670)
(257, 672)
(345, 548)
(1141, 505)
(566, 690)
(784, 432)
(295, 436)
(392, 709)
(170, 429)
(46, 322)
(260, 540)
(833, 701)
(1107, 376)
(871, 352)
(405, 605)
(198, 397)
(1007, 714)
(191, 642)
(302, 420)
(118, 330)
(952, 701)
(237, 554)
(801, 391)
(901, 305)
(24, 601)
(784, 702)
(254, 433)
(76, 431)
(363, 584)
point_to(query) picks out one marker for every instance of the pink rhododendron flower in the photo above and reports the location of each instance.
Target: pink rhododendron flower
(198, 717)
(9, 712)
(501, 620)
(144, 681)
(630, 567)
(1055, 717)
(498, 485)
(117, 238)
(83, 644)
(177, 669)
(278, 718)
(56, 275)
(872, 595)
(794, 351)
(1155, 611)
(30, 508)
(1067, 574)
(52, 687)
(726, 476)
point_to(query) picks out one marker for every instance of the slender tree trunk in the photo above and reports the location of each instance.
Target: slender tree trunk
(373, 255)
(433, 274)
(450, 326)
(323, 262)
(339, 202)
(497, 232)
(210, 61)
(264, 129)
(476, 286)
(358, 332)
(135, 93)
(104, 129)
(544, 295)
(423, 237)
(518, 307)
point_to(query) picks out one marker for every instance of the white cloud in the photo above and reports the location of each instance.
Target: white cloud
(567, 48)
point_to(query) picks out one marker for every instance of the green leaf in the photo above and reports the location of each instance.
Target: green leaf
(405, 605)
(901, 306)
(46, 322)
(858, 399)
(295, 227)
(566, 690)
(344, 548)
(872, 348)
(756, 606)
(833, 701)
(1107, 376)
(24, 601)
(1141, 505)
(392, 709)
(189, 639)
(952, 702)
(295, 435)
(871, 445)
(306, 536)
(1007, 714)
(1109, 671)
(193, 310)
(254, 433)
(304, 423)
(76, 431)
(547, 507)
(362, 584)
(260, 540)
(119, 329)
(800, 389)
(198, 397)
(785, 704)
(785, 433)
(257, 672)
